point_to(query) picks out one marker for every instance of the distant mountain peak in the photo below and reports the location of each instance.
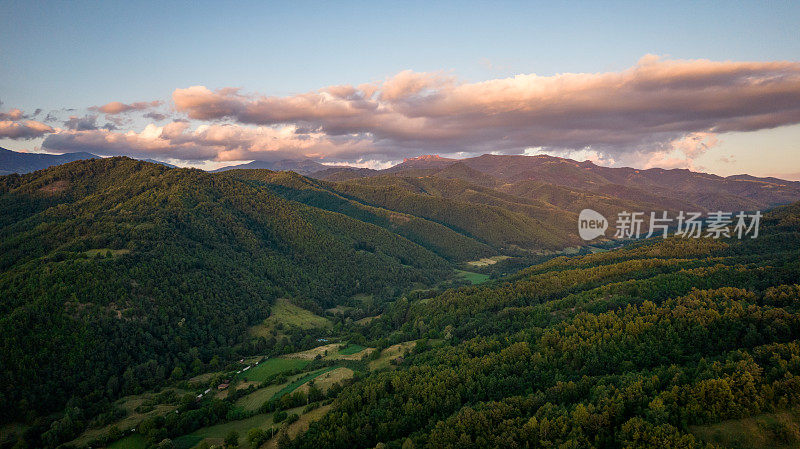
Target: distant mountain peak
(427, 158)
(19, 162)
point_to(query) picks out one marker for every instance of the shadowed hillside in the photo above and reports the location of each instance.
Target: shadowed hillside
(113, 269)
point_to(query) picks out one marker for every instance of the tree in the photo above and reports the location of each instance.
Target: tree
(257, 437)
(232, 439)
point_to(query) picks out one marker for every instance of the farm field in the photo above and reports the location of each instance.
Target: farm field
(255, 399)
(301, 424)
(325, 380)
(351, 349)
(129, 403)
(270, 367)
(216, 434)
(323, 351)
(289, 388)
(486, 261)
(333, 351)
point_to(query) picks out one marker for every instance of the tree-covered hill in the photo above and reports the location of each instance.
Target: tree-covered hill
(115, 271)
(440, 239)
(635, 348)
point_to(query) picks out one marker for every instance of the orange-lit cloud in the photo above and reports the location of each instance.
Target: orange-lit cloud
(647, 108)
(217, 142)
(116, 107)
(659, 111)
(12, 115)
(29, 129)
(14, 124)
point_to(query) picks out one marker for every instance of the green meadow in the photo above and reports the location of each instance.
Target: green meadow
(271, 367)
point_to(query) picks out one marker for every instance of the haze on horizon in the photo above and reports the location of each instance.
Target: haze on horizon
(685, 85)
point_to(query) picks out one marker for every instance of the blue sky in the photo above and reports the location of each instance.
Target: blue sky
(79, 54)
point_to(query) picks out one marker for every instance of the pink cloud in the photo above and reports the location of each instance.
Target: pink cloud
(116, 107)
(658, 112)
(218, 142)
(648, 108)
(28, 129)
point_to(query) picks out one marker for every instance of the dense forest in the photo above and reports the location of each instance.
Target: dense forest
(627, 348)
(115, 272)
(120, 277)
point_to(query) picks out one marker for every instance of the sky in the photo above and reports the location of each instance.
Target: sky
(709, 86)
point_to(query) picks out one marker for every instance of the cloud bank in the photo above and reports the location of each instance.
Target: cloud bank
(659, 111)
(14, 124)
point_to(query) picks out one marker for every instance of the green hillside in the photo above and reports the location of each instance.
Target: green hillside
(647, 346)
(440, 239)
(125, 282)
(116, 272)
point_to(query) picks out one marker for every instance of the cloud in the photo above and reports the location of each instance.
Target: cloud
(28, 129)
(81, 123)
(155, 116)
(13, 115)
(653, 108)
(116, 107)
(14, 125)
(218, 142)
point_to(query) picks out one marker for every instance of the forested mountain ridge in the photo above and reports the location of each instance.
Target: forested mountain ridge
(115, 271)
(686, 189)
(15, 162)
(456, 219)
(438, 238)
(639, 347)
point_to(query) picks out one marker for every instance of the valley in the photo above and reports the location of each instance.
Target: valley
(270, 304)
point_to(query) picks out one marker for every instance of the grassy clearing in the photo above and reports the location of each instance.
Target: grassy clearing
(339, 310)
(288, 389)
(286, 314)
(357, 355)
(135, 441)
(363, 298)
(311, 354)
(272, 366)
(391, 353)
(106, 251)
(255, 399)
(366, 320)
(332, 351)
(129, 403)
(486, 261)
(301, 425)
(774, 430)
(216, 434)
(352, 349)
(203, 379)
(473, 278)
(324, 381)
